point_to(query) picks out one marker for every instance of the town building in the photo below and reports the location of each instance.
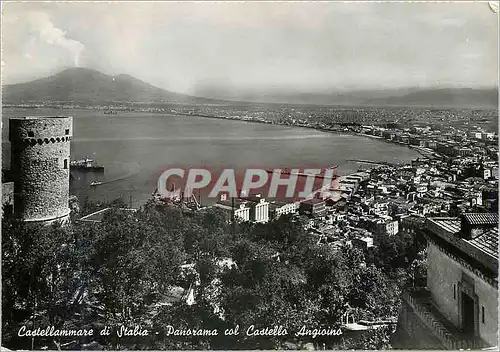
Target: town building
(278, 208)
(363, 243)
(313, 207)
(259, 209)
(237, 209)
(458, 308)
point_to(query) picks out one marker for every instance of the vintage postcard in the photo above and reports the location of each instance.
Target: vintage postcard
(237, 175)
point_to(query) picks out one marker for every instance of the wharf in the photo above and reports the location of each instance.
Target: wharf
(373, 162)
(302, 174)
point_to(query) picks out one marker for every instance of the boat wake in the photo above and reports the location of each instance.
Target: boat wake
(133, 169)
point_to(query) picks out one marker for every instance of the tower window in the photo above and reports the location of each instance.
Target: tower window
(482, 314)
(31, 134)
(454, 291)
(66, 132)
(65, 163)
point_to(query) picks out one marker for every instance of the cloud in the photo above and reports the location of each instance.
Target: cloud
(315, 45)
(40, 23)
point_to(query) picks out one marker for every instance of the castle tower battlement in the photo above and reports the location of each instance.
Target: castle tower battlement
(40, 163)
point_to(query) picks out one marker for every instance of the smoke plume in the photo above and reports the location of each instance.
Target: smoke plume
(49, 33)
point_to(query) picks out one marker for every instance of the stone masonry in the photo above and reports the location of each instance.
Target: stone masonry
(40, 162)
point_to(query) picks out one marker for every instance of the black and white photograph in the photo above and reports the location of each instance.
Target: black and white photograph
(249, 175)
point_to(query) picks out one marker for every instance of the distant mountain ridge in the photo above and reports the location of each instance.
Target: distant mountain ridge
(445, 97)
(89, 86)
(401, 97)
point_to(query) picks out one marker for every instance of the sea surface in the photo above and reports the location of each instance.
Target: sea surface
(136, 147)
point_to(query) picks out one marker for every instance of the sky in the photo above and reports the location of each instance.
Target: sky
(193, 47)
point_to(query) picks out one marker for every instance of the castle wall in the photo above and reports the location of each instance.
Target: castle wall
(411, 333)
(444, 276)
(40, 162)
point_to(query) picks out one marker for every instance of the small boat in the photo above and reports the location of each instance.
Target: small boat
(95, 183)
(86, 165)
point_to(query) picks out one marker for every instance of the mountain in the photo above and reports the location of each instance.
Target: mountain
(90, 86)
(406, 96)
(283, 96)
(85, 85)
(443, 97)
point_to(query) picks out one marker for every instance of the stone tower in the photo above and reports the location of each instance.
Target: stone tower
(40, 163)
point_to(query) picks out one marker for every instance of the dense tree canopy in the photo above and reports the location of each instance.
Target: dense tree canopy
(166, 266)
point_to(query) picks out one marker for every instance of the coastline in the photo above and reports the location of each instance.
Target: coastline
(340, 132)
(141, 196)
(352, 133)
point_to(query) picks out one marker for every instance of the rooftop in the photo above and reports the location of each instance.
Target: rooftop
(313, 201)
(487, 242)
(254, 198)
(481, 218)
(223, 206)
(278, 203)
(479, 250)
(229, 203)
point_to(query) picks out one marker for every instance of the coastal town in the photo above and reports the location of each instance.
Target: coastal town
(455, 177)
(457, 173)
(449, 196)
(250, 176)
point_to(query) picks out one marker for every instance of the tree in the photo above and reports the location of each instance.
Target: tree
(195, 318)
(377, 339)
(40, 274)
(417, 272)
(122, 271)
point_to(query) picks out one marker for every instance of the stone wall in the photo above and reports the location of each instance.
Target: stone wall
(444, 275)
(411, 332)
(40, 162)
(487, 298)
